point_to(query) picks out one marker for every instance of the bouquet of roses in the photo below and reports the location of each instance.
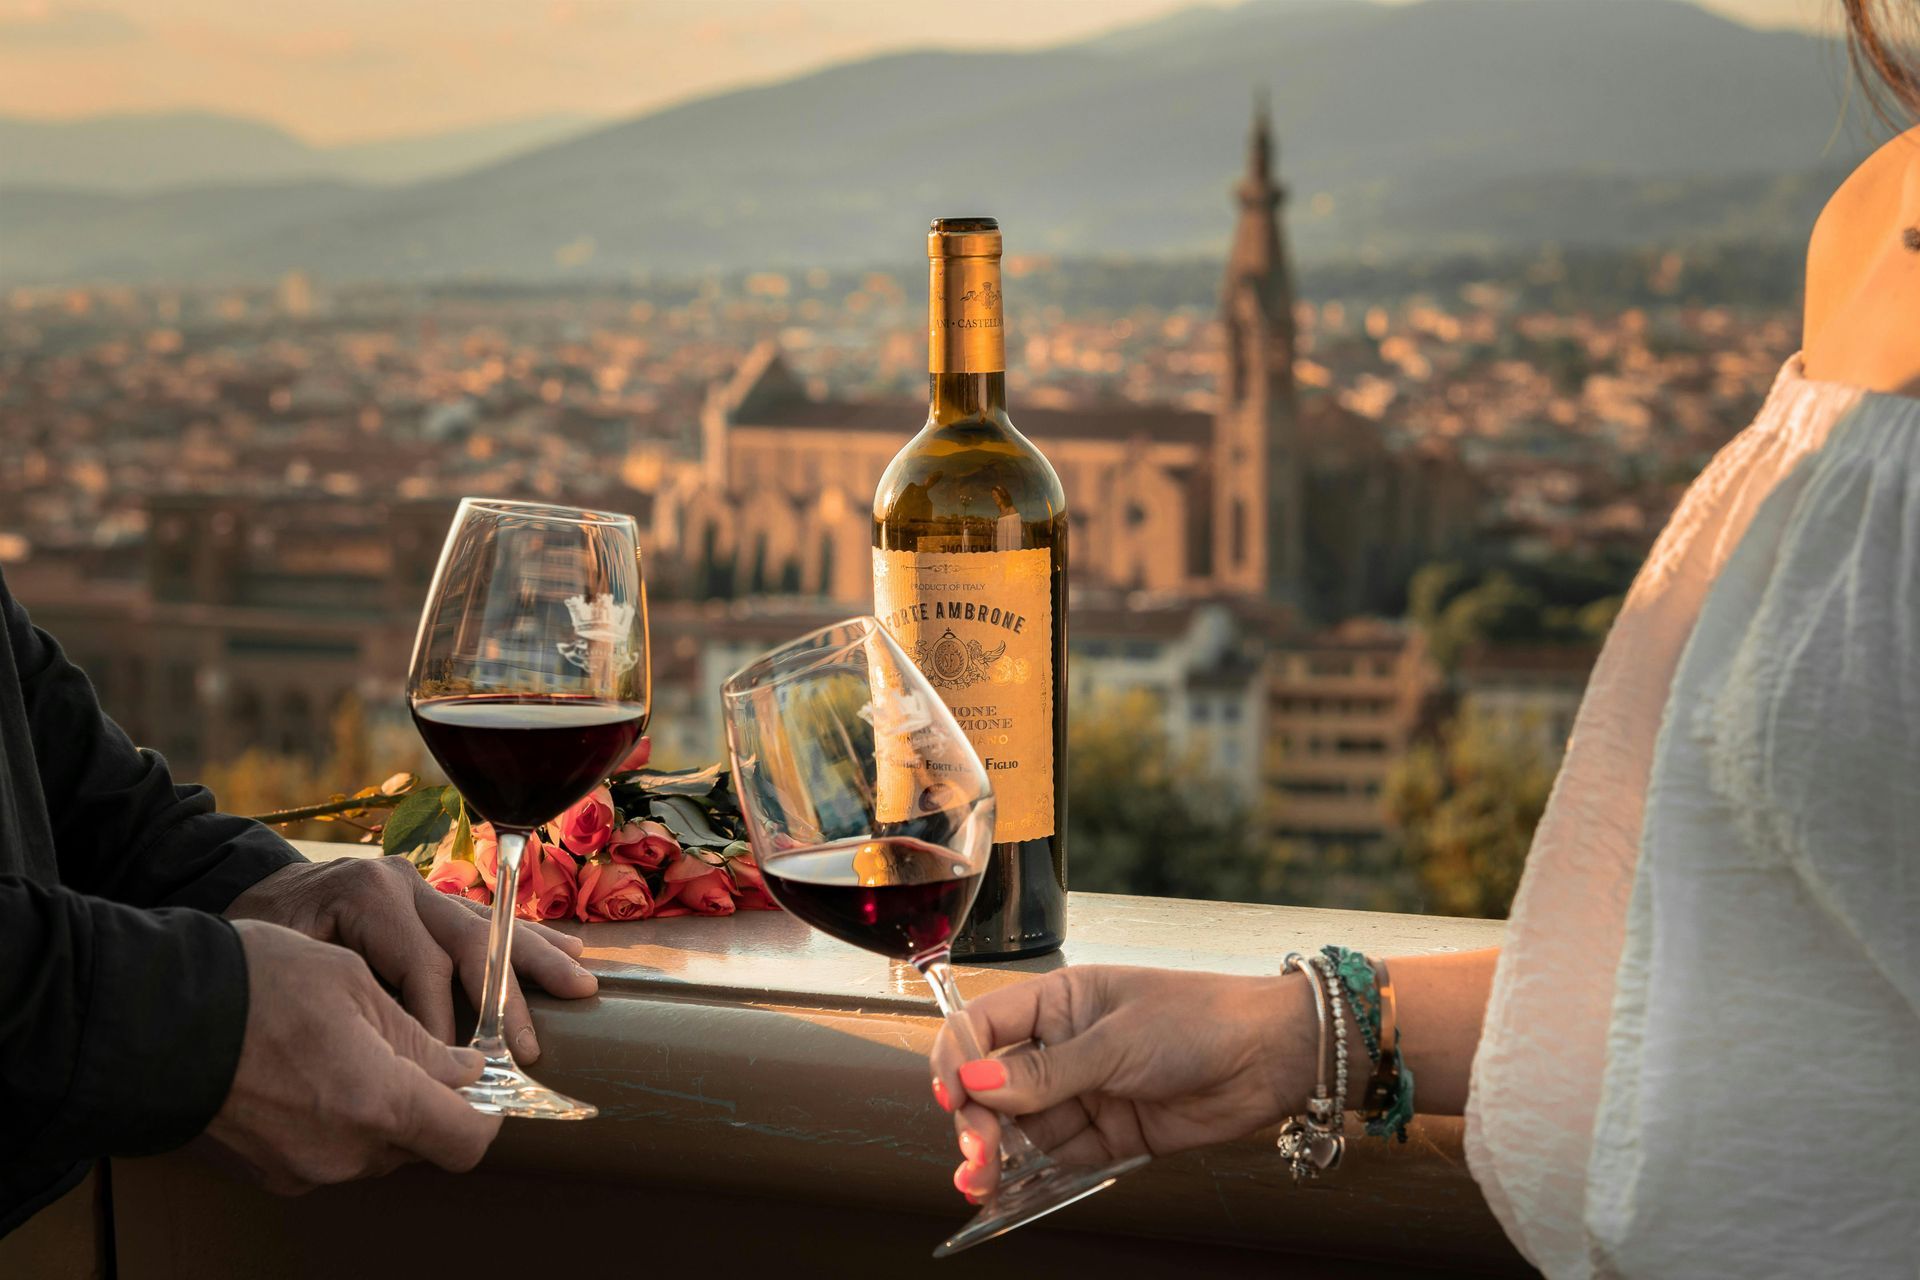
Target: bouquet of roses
(645, 843)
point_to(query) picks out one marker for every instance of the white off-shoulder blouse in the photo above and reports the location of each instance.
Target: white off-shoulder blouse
(1702, 1053)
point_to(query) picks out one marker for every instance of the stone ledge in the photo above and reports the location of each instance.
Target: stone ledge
(755, 1061)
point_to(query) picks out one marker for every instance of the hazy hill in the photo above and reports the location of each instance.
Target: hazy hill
(129, 153)
(1443, 125)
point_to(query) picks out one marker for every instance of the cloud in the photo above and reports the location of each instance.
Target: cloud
(42, 25)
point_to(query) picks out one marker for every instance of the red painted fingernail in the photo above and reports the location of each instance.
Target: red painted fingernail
(971, 1147)
(960, 1182)
(940, 1094)
(982, 1075)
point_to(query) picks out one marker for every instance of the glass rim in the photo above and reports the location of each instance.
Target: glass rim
(734, 687)
(547, 510)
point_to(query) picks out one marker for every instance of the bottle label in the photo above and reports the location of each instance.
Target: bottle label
(980, 627)
(964, 329)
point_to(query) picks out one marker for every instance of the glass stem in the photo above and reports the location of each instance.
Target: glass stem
(487, 1034)
(1018, 1155)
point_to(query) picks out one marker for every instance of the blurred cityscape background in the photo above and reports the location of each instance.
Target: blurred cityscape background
(278, 285)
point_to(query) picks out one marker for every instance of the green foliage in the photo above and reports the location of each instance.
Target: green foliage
(1468, 804)
(258, 781)
(1143, 820)
(1556, 602)
(421, 818)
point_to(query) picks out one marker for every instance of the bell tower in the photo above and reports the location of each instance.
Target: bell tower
(1257, 520)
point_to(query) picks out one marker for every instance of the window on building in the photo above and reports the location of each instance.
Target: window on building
(1313, 787)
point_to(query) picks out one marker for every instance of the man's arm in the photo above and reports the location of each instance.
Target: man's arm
(122, 829)
(119, 1027)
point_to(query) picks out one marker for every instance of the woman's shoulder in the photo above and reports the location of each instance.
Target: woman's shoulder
(1855, 261)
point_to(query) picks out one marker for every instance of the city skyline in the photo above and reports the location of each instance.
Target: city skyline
(371, 71)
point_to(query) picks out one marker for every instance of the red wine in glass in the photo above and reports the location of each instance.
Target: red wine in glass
(899, 896)
(521, 760)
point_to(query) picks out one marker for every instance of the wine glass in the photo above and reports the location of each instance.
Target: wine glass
(529, 682)
(872, 820)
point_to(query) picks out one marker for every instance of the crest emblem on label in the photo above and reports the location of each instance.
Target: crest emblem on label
(987, 295)
(951, 663)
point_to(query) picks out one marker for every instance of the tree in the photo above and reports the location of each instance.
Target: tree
(1467, 804)
(1553, 603)
(1143, 819)
(356, 754)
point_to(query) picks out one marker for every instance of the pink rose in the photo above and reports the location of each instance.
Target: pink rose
(644, 844)
(585, 828)
(486, 854)
(750, 886)
(612, 891)
(638, 757)
(453, 875)
(549, 881)
(706, 894)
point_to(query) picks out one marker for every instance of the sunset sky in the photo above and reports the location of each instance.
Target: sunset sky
(349, 70)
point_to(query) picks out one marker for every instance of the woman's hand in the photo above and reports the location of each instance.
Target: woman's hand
(1126, 1061)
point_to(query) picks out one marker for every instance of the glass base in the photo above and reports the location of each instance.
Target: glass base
(503, 1089)
(1049, 1187)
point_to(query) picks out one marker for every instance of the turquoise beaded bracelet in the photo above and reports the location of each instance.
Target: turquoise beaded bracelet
(1391, 1090)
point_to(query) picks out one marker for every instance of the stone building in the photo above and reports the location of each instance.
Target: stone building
(1344, 705)
(1275, 497)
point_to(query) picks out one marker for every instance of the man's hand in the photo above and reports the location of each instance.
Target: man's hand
(415, 938)
(335, 1080)
(1134, 1061)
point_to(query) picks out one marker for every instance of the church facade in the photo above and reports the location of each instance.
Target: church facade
(1282, 502)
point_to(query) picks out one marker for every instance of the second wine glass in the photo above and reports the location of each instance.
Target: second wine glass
(529, 683)
(872, 820)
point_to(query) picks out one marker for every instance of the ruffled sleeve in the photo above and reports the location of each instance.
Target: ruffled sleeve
(1757, 1106)
(1548, 1036)
(1815, 729)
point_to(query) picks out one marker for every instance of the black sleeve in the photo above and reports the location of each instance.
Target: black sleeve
(121, 828)
(120, 1028)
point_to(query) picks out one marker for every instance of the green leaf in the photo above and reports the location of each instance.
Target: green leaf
(463, 838)
(451, 801)
(411, 820)
(688, 822)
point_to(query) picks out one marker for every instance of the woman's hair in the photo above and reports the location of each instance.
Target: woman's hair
(1880, 41)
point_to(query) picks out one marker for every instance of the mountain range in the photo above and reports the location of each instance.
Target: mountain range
(134, 153)
(1445, 125)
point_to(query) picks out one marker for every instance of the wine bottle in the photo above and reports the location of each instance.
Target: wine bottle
(970, 576)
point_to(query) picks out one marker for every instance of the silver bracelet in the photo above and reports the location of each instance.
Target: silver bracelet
(1330, 982)
(1311, 1142)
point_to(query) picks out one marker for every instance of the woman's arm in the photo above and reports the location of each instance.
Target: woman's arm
(1146, 1060)
(1442, 1001)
